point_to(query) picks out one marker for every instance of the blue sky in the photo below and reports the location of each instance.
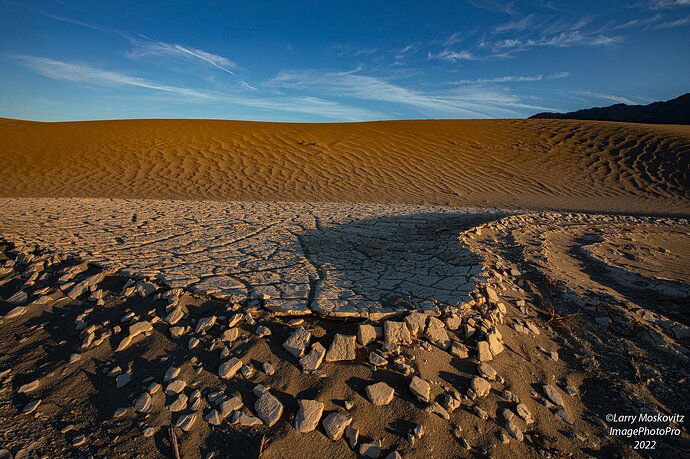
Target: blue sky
(336, 61)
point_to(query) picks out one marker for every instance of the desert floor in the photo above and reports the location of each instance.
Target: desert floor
(416, 289)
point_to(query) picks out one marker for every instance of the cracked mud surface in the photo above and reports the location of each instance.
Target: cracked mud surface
(330, 259)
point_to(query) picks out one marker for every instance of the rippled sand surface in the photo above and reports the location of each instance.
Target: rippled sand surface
(499, 163)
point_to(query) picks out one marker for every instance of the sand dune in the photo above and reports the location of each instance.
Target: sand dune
(503, 163)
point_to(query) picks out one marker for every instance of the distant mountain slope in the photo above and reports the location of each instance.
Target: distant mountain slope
(674, 111)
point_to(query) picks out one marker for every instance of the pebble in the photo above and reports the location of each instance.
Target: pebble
(352, 436)
(268, 368)
(179, 404)
(29, 387)
(143, 404)
(175, 387)
(370, 449)
(31, 407)
(122, 380)
(186, 421)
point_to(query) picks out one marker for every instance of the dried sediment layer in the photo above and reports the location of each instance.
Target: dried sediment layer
(339, 260)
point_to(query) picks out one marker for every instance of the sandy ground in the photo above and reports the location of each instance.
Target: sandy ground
(206, 326)
(520, 164)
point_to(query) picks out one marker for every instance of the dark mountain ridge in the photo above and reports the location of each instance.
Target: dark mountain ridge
(674, 111)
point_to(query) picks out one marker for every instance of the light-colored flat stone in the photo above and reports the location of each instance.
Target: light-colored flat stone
(308, 415)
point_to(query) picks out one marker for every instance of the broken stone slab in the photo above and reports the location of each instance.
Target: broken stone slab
(380, 393)
(437, 334)
(396, 333)
(268, 408)
(312, 361)
(553, 395)
(334, 424)
(297, 343)
(366, 334)
(421, 389)
(308, 415)
(342, 348)
(228, 369)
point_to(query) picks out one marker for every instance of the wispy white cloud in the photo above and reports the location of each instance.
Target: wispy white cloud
(516, 25)
(667, 4)
(452, 56)
(514, 78)
(467, 101)
(606, 97)
(146, 48)
(78, 72)
(86, 74)
(345, 50)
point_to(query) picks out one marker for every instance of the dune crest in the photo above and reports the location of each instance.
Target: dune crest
(502, 163)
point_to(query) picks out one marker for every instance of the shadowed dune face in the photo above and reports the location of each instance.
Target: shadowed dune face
(505, 163)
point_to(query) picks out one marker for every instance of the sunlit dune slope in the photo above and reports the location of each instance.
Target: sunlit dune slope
(509, 163)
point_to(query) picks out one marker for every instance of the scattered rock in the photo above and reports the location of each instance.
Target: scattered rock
(366, 334)
(268, 408)
(421, 389)
(436, 333)
(312, 361)
(480, 386)
(308, 415)
(297, 343)
(553, 394)
(334, 424)
(342, 348)
(380, 393)
(396, 333)
(228, 369)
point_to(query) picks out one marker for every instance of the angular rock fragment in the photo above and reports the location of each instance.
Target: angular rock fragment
(380, 393)
(334, 424)
(480, 386)
(553, 394)
(297, 343)
(308, 415)
(366, 334)
(228, 369)
(396, 333)
(437, 334)
(342, 348)
(268, 408)
(421, 389)
(312, 361)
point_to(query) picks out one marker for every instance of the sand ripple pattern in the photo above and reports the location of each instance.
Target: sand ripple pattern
(500, 163)
(331, 259)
